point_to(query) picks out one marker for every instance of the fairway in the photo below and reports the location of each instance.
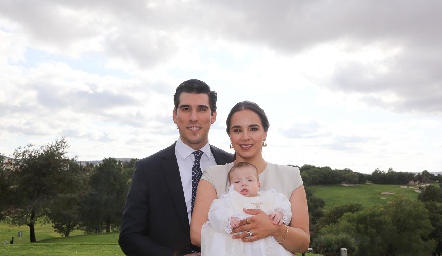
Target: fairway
(54, 245)
(49, 243)
(366, 194)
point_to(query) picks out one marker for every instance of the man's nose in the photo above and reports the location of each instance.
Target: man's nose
(193, 115)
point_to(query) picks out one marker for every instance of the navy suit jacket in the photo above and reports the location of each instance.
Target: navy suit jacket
(155, 218)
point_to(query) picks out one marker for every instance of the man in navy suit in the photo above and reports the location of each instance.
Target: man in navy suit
(157, 213)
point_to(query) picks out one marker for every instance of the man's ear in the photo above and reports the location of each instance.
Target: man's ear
(174, 116)
(213, 117)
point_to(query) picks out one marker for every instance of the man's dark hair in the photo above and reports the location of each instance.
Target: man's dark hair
(195, 86)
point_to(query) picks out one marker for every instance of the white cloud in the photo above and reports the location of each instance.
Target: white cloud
(345, 84)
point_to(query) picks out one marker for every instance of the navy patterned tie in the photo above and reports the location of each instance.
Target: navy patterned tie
(196, 175)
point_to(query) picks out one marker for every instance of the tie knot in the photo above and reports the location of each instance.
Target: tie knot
(198, 154)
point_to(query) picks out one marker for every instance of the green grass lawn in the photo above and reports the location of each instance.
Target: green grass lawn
(50, 243)
(366, 194)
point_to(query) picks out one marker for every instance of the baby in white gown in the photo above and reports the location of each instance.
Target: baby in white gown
(226, 212)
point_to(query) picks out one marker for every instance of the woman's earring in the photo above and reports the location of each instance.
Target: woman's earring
(264, 143)
(231, 146)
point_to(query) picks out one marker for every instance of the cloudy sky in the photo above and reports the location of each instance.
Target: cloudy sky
(345, 83)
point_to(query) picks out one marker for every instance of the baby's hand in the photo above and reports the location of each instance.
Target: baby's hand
(276, 216)
(234, 222)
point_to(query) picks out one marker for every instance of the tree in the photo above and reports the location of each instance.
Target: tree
(4, 187)
(130, 164)
(64, 211)
(426, 176)
(330, 244)
(399, 228)
(430, 193)
(435, 215)
(362, 178)
(105, 201)
(333, 215)
(413, 227)
(370, 229)
(128, 168)
(315, 207)
(391, 177)
(373, 230)
(432, 198)
(39, 176)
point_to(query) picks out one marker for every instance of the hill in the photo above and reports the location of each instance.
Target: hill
(366, 194)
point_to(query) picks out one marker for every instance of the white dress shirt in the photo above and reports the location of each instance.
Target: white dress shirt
(185, 160)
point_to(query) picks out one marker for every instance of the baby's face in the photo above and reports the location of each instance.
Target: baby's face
(245, 181)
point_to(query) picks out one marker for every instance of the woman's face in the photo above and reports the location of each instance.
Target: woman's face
(246, 134)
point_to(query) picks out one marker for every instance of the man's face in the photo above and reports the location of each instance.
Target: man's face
(193, 118)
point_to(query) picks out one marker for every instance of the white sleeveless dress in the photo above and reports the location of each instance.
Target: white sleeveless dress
(216, 234)
(282, 179)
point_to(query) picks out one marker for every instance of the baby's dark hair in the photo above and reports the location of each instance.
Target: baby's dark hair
(243, 164)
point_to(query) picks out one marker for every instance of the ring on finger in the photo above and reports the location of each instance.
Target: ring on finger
(247, 221)
(250, 233)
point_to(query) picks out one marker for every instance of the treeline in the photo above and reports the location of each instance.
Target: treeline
(312, 175)
(402, 227)
(44, 184)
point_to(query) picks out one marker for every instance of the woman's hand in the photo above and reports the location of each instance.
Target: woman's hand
(256, 227)
(295, 237)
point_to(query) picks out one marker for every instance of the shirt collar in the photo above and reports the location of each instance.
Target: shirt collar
(184, 150)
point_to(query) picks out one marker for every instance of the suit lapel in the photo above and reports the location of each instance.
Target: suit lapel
(220, 158)
(173, 180)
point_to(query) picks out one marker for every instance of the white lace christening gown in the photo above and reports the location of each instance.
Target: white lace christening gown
(216, 234)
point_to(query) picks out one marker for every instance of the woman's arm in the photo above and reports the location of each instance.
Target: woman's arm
(205, 194)
(260, 225)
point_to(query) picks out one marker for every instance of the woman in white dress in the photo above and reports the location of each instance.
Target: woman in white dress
(247, 127)
(225, 214)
